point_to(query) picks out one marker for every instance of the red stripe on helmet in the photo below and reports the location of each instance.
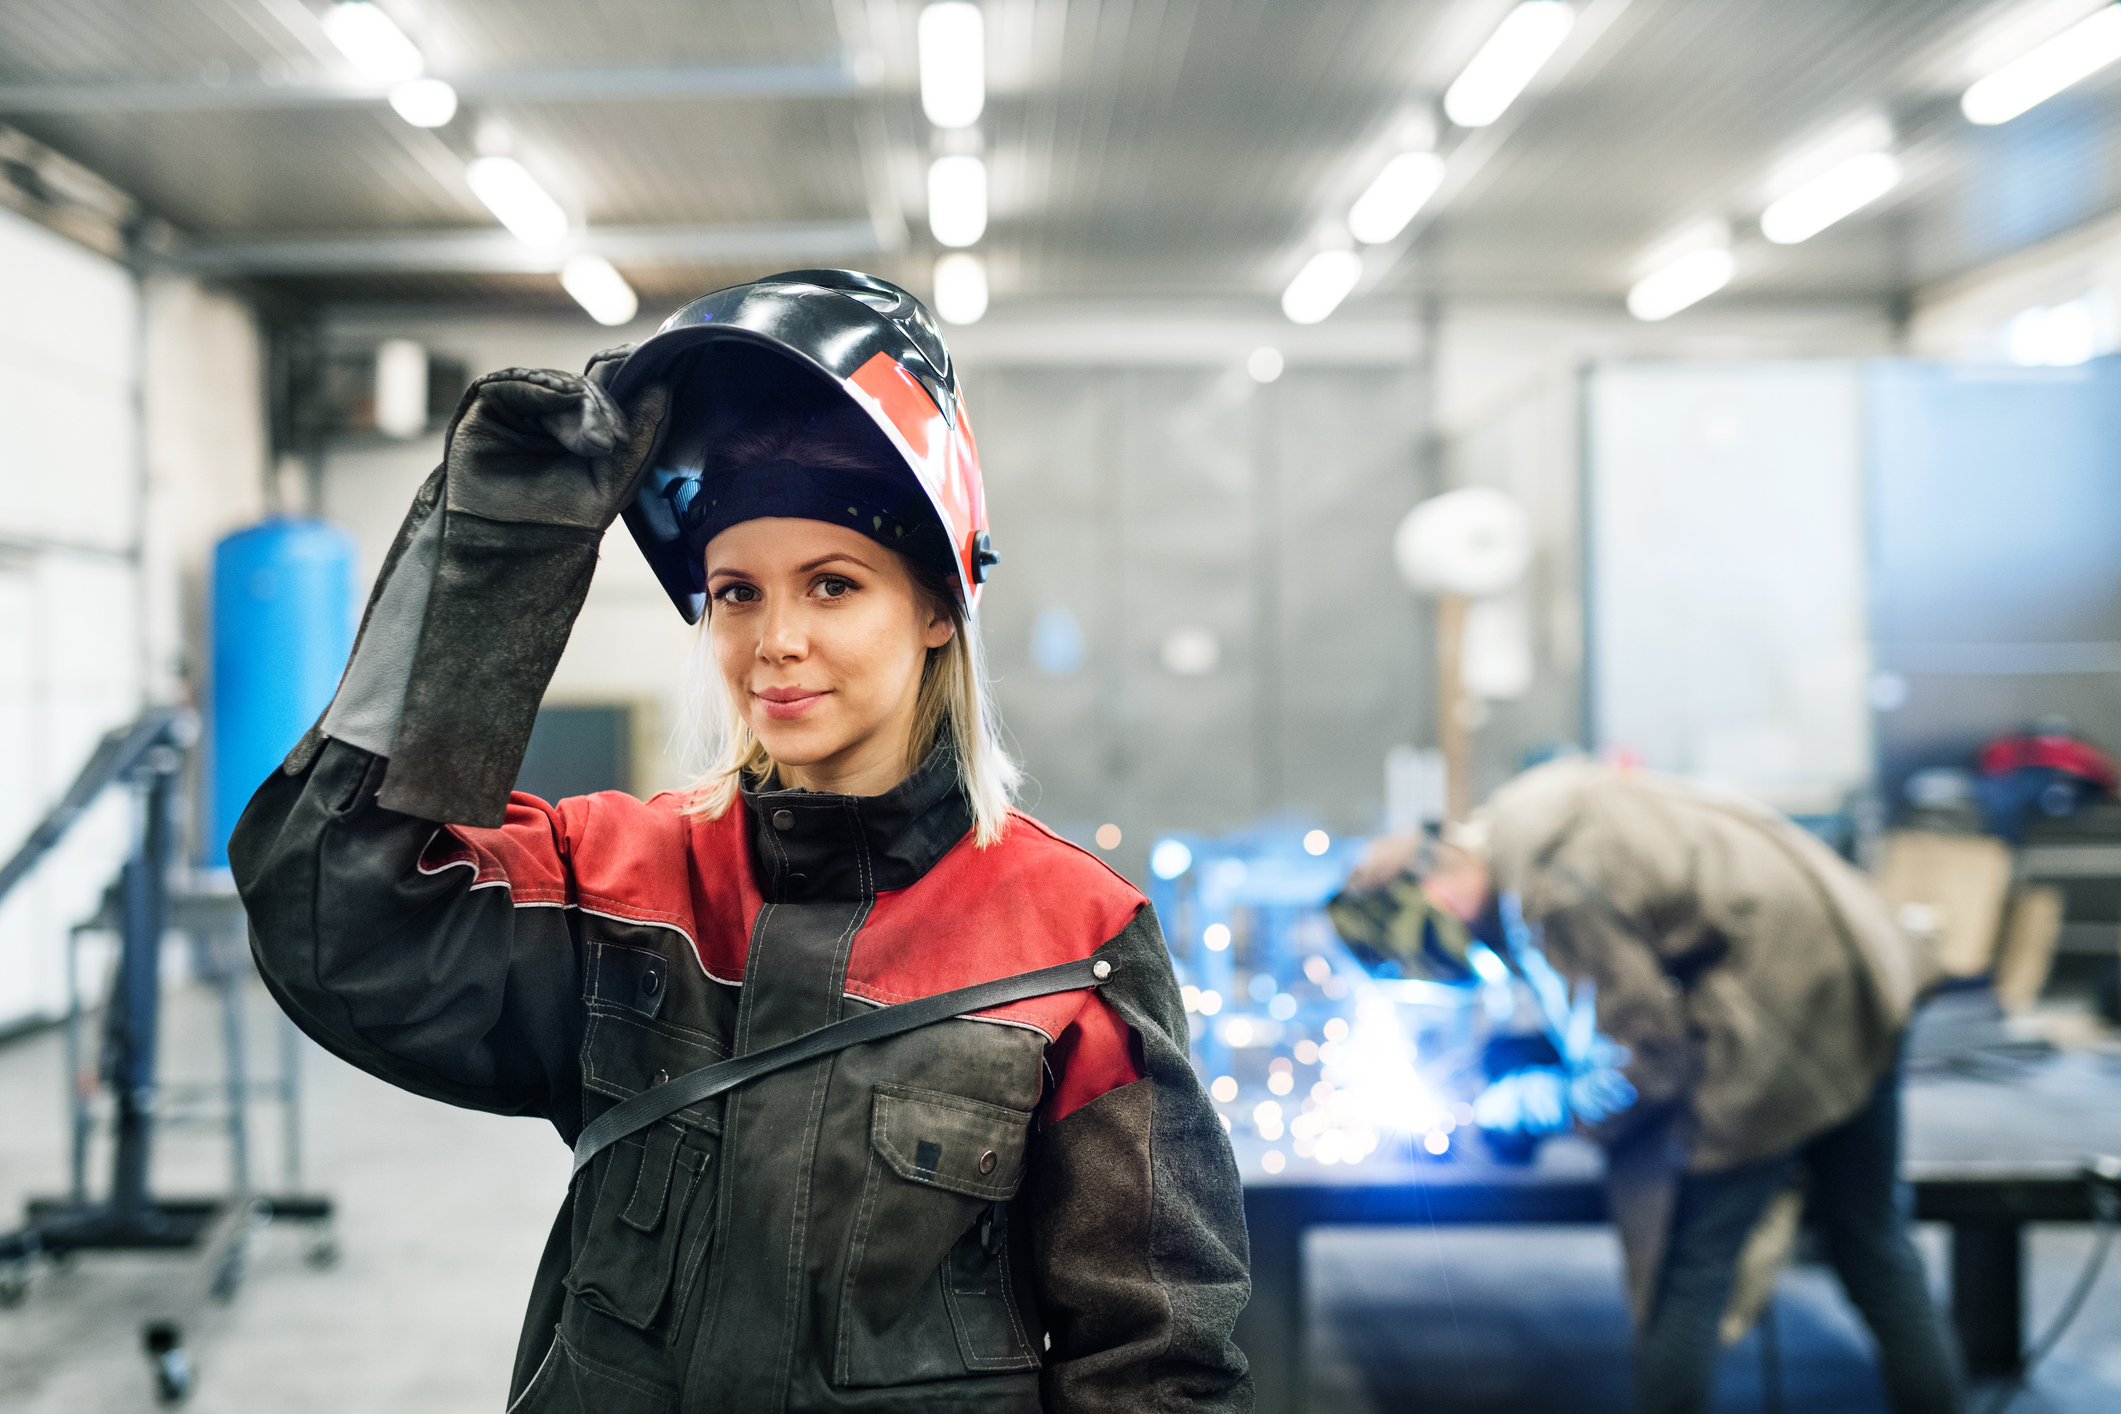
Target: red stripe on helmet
(945, 458)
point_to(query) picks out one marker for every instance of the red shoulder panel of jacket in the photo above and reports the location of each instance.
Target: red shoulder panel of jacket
(1029, 900)
(620, 852)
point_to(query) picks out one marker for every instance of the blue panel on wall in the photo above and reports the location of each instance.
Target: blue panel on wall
(282, 628)
(1996, 555)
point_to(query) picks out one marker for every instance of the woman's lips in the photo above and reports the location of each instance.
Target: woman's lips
(785, 704)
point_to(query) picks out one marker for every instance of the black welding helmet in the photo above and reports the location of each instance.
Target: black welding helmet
(833, 346)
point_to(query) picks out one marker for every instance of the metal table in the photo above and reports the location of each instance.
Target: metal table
(1986, 1205)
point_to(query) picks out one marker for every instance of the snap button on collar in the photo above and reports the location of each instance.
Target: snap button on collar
(784, 819)
(987, 1162)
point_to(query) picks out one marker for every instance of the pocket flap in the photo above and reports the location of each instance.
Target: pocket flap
(965, 1146)
(631, 978)
(622, 1058)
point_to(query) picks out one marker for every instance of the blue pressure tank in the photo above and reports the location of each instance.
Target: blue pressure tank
(283, 600)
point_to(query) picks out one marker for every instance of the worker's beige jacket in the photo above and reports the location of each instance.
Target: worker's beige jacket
(1760, 982)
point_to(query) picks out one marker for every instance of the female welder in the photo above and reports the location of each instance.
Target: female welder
(1031, 1206)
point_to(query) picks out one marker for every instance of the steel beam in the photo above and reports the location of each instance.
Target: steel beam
(821, 80)
(490, 250)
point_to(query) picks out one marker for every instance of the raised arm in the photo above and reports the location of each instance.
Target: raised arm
(429, 975)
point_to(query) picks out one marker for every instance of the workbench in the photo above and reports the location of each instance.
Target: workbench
(1985, 1203)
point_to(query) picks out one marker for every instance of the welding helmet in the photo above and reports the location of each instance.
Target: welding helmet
(832, 347)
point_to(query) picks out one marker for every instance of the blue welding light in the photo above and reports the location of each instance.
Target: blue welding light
(1170, 859)
(1486, 964)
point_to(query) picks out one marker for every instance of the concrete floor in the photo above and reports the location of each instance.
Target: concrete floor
(442, 1214)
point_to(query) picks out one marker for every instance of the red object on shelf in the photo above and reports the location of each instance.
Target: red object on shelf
(2061, 753)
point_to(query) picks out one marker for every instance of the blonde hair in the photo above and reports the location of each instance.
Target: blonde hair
(953, 707)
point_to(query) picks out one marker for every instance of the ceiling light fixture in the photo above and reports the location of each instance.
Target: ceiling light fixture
(1687, 280)
(515, 197)
(1842, 189)
(960, 288)
(372, 42)
(1519, 48)
(1321, 285)
(598, 287)
(424, 103)
(1390, 201)
(953, 48)
(957, 200)
(2044, 71)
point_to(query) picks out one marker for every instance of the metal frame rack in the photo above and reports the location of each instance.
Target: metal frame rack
(147, 757)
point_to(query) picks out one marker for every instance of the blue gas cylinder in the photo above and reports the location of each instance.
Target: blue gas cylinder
(283, 600)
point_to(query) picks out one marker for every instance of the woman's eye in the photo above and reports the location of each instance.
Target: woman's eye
(736, 594)
(831, 588)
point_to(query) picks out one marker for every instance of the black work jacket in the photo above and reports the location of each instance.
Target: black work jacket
(1035, 1209)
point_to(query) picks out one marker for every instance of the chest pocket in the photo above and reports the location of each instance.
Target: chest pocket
(639, 1255)
(929, 1292)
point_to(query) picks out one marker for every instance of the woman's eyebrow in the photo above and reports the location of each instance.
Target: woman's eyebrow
(822, 560)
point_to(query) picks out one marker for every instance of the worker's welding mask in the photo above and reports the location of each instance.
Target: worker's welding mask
(855, 358)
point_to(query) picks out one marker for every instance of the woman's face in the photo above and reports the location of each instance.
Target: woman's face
(821, 635)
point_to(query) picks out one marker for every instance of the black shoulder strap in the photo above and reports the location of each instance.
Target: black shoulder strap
(694, 1086)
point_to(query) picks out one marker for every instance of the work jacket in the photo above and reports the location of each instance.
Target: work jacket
(1032, 1208)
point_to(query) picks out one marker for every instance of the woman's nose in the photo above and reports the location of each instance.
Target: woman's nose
(780, 634)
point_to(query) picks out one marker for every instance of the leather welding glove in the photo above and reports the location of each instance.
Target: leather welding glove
(481, 588)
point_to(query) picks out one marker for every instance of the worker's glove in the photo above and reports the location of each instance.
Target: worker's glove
(537, 447)
(478, 594)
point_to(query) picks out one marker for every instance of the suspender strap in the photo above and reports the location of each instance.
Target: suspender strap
(694, 1086)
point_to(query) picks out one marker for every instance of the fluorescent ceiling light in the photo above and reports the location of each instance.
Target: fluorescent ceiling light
(1390, 201)
(953, 48)
(372, 41)
(2038, 75)
(514, 196)
(1687, 280)
(1520, 46)
(425, 103)
(1321, 285)
(1844, 188)
(600, 289)
(960, 288)
(1264, 364)
(2060, 335)
(957, 199)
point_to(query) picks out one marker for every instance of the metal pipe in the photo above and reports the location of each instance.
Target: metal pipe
(132, 1063)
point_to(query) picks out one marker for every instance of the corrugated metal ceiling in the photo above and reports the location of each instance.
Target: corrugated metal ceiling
(1137, 147)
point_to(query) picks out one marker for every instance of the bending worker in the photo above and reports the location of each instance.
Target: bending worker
(878, 1091)
(1760, 987)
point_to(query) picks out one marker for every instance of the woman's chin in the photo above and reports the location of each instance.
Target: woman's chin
(797, 744)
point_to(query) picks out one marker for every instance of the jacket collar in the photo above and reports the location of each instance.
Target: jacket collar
(813, 847)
